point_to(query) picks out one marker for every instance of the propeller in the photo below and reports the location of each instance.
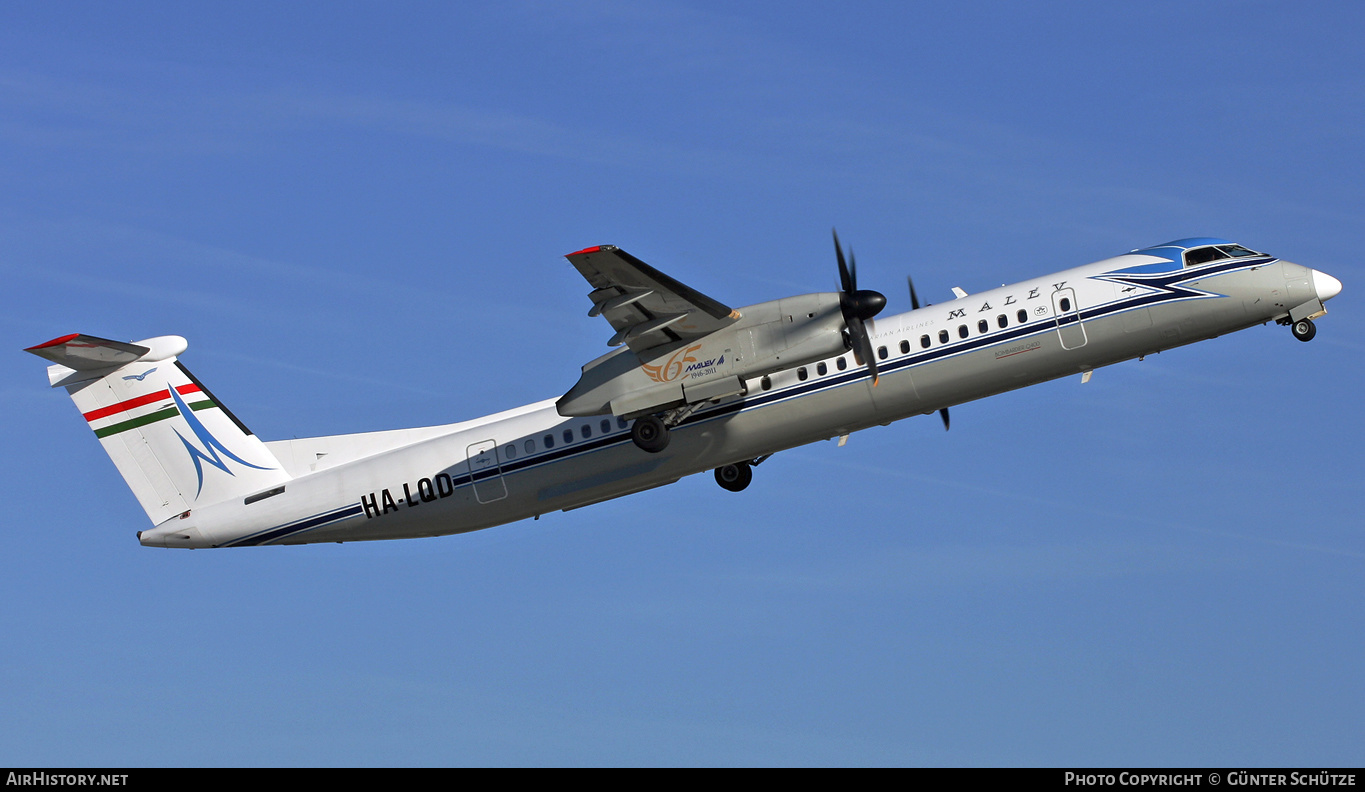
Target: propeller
(857, 307)
(914, 304)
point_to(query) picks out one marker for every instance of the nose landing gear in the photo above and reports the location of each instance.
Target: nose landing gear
(737, 476)
(734, 477)
(1304, 329)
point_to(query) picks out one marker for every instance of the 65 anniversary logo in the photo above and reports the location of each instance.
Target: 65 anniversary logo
(683, 362)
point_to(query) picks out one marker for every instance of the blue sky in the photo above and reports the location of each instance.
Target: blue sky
(356, 214)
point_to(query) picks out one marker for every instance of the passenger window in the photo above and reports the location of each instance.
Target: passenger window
(924, 341)
(821, 368)
(801, 373)
(1003, 321)
(767, 382)
(606, 426)
(621, 423)
(943, 336)
(881, 353)
(1022, 316)
(905, 347)
(841, 363)
(962, 331)
(509, 452)
(1064, 304)
(586, 431)
(549, 441)
(982, 326)
(568, 436)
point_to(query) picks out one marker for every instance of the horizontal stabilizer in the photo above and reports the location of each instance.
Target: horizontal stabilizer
(80, 358)
(86, 353)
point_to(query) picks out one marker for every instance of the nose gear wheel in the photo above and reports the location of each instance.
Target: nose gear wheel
(734, 477)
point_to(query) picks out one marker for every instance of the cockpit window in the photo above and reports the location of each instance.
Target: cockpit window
(1203, 255)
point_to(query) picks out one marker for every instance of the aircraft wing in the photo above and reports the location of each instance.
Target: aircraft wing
(645, 307)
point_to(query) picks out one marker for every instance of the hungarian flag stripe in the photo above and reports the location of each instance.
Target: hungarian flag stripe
(139, 401)
(149, 418)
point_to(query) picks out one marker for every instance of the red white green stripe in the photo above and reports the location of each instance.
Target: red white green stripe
(127, 407)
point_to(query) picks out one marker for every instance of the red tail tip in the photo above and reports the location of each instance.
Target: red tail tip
(53, 342)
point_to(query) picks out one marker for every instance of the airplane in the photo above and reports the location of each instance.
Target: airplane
(691, 385)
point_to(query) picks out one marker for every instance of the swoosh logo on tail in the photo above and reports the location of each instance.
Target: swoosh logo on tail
(212, 447)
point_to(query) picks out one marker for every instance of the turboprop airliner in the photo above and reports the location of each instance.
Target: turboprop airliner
(691, 385)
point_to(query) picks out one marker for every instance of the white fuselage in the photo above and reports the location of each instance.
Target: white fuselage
(530, 461)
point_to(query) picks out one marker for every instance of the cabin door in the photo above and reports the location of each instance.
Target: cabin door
(486, 472)
(1068, 316)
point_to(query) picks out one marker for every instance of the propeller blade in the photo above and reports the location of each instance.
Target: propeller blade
(846, 282)
(944, 414)
(914, 298)
(862, 347)
(857, 307)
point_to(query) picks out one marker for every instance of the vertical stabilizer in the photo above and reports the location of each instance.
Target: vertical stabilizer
(175, 444)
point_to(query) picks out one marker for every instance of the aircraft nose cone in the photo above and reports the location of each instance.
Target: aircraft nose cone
(1325, 285)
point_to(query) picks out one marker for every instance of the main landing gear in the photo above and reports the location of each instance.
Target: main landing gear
(650, 433)
(1304, 329)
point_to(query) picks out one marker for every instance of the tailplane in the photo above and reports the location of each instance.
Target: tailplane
(176, 445)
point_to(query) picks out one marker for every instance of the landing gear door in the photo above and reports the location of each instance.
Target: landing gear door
(1068, 316)
(486, 472)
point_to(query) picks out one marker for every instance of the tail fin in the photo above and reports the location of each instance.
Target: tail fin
(176, 445)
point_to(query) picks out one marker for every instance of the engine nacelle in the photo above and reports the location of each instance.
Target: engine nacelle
(769, 337)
